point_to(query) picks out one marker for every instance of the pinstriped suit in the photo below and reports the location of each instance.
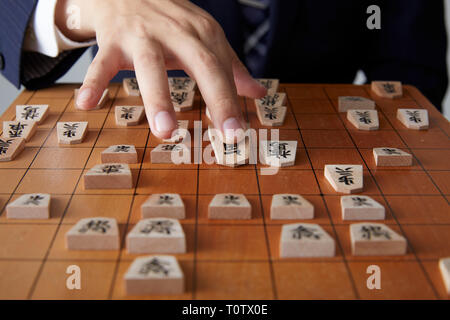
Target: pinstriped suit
(309, 41)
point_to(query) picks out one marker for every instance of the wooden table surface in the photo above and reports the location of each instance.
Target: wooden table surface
(232, 259)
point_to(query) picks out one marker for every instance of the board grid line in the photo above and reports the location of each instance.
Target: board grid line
(47, 253)
(392, 211)
(196, 222)
(266, 236)
(336, 236)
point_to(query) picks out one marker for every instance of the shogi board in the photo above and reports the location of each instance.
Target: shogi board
(228, 259)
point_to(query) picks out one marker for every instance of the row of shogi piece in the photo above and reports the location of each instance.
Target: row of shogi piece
(160, 234)
(360, 112)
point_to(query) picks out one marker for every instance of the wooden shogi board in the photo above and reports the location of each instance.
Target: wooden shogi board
(232, 259)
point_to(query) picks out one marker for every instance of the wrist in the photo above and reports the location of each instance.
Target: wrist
(73, 19)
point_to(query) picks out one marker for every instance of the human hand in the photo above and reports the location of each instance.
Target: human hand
(150, 37)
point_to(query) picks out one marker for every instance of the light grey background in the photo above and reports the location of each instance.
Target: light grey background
(8, 92)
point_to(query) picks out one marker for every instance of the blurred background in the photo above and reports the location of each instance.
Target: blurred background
(8, 92)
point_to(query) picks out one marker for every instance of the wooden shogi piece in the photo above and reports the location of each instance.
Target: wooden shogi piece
(181, 84)
(278, 153)
(272, 100)
(71, 132)
(164, 153)
(157, 235)
(305, 240)
(19, 129)
(345, 178)
(229, 154)
(154, 275)
(180, 133)
(387, 89)
(109, 176)
(120, 154)
(131, 87)
(376, 239)
(164, 205)
(271, 116)
(29, 206)
(364, 119)
(97, 233)
(11, 148)
(391, 157)
(358, 207)
(182, 100)
(444, 267)
(290, 206)
(36, 112)
(129, 115)
(229, 206)
(101, 102)
(416, 119)
(355, 103)
(270, 84)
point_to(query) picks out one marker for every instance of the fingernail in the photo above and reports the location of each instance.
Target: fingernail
(230, 127)
(164, 122)
(84, 96)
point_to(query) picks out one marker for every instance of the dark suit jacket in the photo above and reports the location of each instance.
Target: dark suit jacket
(310, 41)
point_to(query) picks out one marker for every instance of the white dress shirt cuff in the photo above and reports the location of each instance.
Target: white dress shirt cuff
(43, 35)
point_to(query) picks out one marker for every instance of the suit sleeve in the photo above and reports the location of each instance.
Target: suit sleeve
(411, 46)
(31, 69)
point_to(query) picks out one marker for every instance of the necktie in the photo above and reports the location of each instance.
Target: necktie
(256, 30)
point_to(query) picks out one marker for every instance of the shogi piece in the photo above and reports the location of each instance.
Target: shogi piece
(180, 133)
(157, 235)
(364, 119)
(444, 267)
(166, 205)
(345, 178)
(359, 207)
(169, 153)
(290, 206)
(109, 176)
(229, 206)
(35, 112)
(416, 119)
(29, 206)
(101, 102)
(131, 87)
(181, 84)
(270, 84)
(272, 100)
(129, 115)
(387, 89)
(376, 239)
(19, 129)
(355, 103)
(278, 153)
(120, 154)
(229, 154)
(305, 240)
(182, 100)
(71, 132)
(93, 234)
(271, 116)
(391, 157)
(11, 148)
(154, 275)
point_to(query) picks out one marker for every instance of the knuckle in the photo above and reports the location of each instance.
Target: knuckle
(150, 57)
(208, 27)
(209, 60)
(140, 29)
